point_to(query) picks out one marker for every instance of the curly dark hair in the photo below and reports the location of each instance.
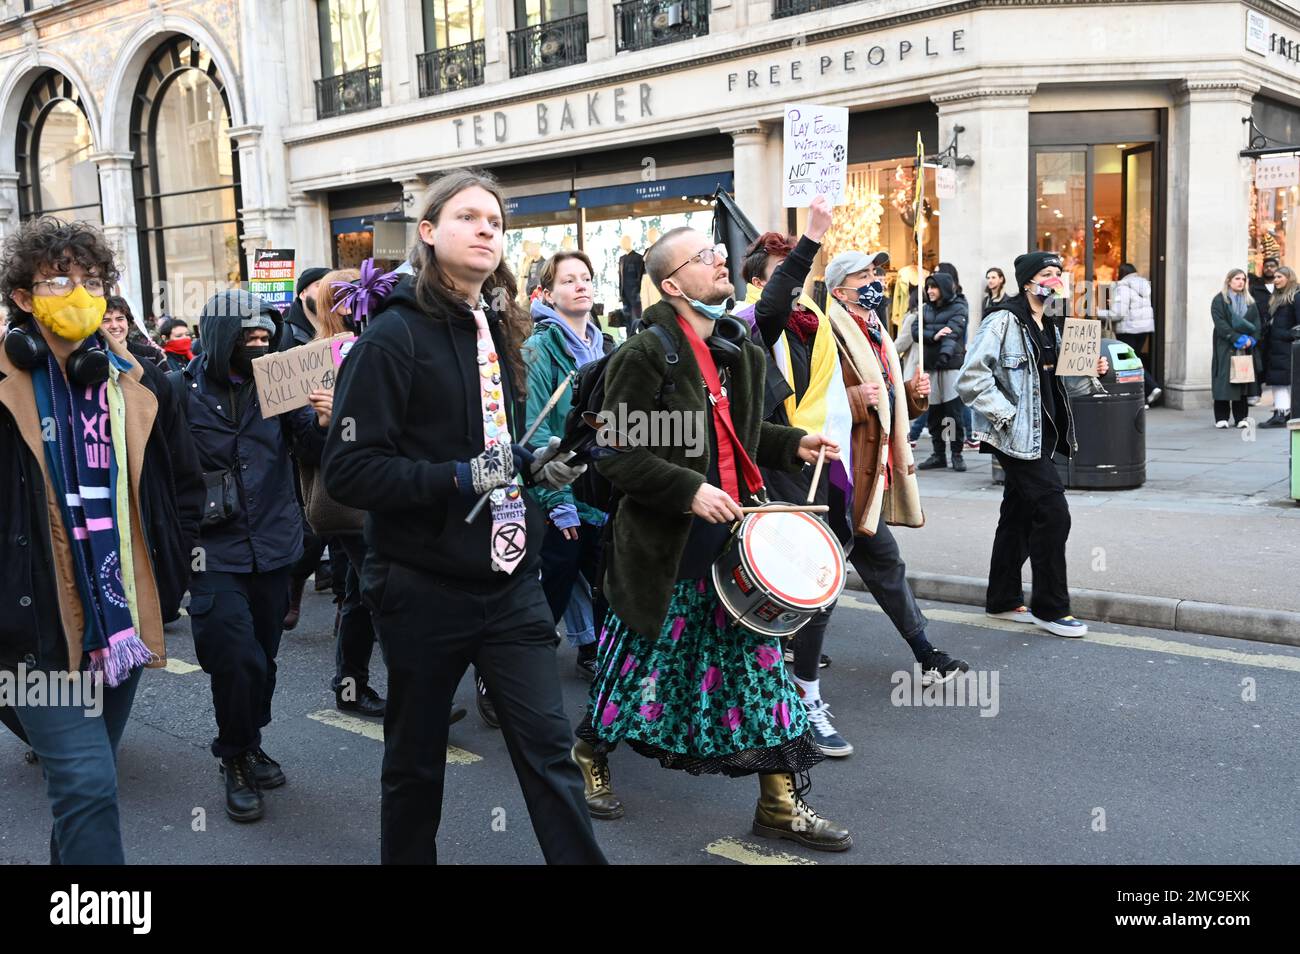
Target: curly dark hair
(53, 244)
(766, 246)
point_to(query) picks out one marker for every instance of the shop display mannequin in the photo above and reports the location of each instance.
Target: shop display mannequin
(631, 269)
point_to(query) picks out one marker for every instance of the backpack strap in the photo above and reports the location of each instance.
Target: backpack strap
(670, 356)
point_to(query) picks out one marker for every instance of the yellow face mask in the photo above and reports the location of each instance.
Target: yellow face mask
(73, 317)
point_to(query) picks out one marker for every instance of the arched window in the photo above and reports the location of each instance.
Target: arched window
(56, 175)
(186, 180)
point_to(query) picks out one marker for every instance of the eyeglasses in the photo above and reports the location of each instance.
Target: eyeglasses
(707, 256)
(62, 285)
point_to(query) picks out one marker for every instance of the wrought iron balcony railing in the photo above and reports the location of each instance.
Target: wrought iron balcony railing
(792, 8)
(548, 46)
(643, 24)
(349, 92)
(456, 67)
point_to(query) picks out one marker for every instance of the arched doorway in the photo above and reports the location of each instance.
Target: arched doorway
(186, 173)
(56, 175)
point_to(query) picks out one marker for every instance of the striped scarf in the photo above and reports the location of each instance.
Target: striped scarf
(86, 456)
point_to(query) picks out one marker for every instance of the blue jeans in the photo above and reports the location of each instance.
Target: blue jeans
(78, 756)
(579, 624)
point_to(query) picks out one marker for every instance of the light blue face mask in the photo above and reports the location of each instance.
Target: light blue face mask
(709, 311)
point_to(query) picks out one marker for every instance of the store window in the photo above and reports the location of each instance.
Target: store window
(186, 180)
(533, 12)
(449, 23)
(879, 213)
(349, 35)
(53, 146)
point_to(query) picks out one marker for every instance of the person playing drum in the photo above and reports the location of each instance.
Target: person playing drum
(676, 677)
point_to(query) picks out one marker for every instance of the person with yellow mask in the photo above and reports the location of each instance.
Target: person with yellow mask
(101, 501)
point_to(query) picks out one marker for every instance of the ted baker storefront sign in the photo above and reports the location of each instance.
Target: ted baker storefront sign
(812, 69)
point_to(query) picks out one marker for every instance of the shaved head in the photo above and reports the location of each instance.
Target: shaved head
(663, 256)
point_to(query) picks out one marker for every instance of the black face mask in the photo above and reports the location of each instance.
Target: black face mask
(242, 357)
(309, 302)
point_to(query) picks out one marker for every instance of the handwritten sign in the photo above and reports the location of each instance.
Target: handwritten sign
(816, 154)
(1080, 348)
(284, 379)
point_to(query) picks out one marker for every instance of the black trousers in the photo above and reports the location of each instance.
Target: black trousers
(1034, 524)
(355, 640)
(312, 549)
(937, 423)
(237, 620)
(1138, 342)
(430, 632)
(1239, 410)
(563, 560)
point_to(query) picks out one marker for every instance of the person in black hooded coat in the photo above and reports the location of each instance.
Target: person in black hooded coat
(946, 315)
(238, 600)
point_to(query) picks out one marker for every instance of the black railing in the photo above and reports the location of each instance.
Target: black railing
(456, 67)
(349, 92)
(792, 8)
(642, 24)
(548, 46)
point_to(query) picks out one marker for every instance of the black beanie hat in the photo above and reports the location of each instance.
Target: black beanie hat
(1031, 263)
(308, 276)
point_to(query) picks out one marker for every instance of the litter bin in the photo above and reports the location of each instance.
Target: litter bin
(1109, 427)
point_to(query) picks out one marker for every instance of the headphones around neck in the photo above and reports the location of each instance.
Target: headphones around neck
(728, 340)
(86, 366)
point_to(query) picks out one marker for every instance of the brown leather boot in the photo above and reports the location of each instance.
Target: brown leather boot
(295, 603)
(781, 813)
(601, 800)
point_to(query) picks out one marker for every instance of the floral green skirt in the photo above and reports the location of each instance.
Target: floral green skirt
(705, 696)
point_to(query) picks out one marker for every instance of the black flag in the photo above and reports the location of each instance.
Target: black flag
(734, 230)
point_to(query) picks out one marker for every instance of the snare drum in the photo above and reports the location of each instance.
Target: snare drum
(778, 572)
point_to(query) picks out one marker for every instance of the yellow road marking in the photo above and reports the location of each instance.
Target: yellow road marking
(179, 666)
(733, 849)
(375, 730)
(1150, 644)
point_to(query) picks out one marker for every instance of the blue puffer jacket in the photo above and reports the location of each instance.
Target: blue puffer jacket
(267, 532)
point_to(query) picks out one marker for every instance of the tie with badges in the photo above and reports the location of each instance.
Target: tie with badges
(508, 519)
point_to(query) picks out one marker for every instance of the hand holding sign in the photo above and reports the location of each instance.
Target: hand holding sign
(816, 154)
(288, 380)
(1081, 349)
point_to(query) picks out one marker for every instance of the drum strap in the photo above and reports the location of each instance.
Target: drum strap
(729, 447)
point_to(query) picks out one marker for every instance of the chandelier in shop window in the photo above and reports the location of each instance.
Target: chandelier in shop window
(855, 224)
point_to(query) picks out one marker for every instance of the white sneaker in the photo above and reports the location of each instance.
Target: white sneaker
(1221, 424)
(1242, 425)
(1065, 626)
(1019, 615)
(828, 740)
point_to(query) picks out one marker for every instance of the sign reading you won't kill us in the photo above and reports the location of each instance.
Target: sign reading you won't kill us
(285, 379)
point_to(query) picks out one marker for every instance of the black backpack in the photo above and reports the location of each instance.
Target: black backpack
(588, 398)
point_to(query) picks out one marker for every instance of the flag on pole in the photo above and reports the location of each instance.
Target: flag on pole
(918, 220)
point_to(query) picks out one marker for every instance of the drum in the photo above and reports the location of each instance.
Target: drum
(778, 571)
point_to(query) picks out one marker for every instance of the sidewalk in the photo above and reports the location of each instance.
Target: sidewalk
(1210, 543)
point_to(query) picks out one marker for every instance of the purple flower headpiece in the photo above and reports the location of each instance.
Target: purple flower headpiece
(366, 293)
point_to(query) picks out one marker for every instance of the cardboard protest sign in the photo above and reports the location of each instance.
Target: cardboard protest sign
(1080, 348)
(284, 379)
(272, 278)
(816, 154)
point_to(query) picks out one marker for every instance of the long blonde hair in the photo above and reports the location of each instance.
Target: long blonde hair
(327, 296)
(1227, 285)
(1283, 296)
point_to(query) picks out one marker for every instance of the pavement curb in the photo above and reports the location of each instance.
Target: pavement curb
(1133, 609)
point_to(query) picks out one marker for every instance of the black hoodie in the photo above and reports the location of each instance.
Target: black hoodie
(407, 407)
(231, 435)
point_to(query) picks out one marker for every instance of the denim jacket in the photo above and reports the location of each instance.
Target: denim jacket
(999, 382)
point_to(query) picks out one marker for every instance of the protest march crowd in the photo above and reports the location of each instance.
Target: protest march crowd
(476, 500)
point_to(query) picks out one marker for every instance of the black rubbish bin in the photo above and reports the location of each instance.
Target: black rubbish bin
(1109, 427)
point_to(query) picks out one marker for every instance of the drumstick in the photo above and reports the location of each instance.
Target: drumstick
(787, 508)
(546, 409)
(817, 472)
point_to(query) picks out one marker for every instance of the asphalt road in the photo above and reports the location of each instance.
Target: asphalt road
(1130, 746)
